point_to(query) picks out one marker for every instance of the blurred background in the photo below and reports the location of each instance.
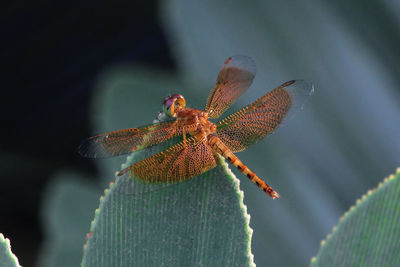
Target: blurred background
(64, 65)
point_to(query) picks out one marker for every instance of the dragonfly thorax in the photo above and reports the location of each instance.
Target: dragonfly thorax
(195, 122)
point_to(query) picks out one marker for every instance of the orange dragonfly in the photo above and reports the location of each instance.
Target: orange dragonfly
(203, 140)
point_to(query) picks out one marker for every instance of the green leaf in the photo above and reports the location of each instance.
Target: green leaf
(7, 258)
(202, 221)
(369, 233)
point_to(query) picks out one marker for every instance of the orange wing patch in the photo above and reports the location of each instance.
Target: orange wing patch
(262, 117)
(177, 163)
(233, 80)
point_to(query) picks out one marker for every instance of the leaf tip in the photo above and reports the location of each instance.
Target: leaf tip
(7, 244)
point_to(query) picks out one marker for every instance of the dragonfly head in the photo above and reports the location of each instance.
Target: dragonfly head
(173, 104)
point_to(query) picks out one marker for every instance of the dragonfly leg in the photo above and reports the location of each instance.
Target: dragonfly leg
(122, 172)
(184, 134)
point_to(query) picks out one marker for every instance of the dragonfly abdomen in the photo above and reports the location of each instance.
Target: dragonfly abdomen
(224, 151)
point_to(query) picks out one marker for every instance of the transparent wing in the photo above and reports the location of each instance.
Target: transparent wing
(262, 117)
(128, 140)
(177, 163)
(233, 80)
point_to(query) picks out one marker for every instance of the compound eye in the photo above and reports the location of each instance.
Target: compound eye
(168, 105)
(179, 101)
(172, 104)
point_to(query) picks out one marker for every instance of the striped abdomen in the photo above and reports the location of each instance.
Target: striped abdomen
(224, 151)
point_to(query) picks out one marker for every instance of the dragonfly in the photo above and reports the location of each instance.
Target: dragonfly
(201, 140)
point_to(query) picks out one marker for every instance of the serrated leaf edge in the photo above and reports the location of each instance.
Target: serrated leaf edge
(353, 207)
(243, 207)
(8, 245)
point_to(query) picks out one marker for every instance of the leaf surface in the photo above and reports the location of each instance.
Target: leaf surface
(201, 221)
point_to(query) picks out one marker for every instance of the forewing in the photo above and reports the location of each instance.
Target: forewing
(262, 117)
(128, 140)
(233, 80)
(177, 163)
